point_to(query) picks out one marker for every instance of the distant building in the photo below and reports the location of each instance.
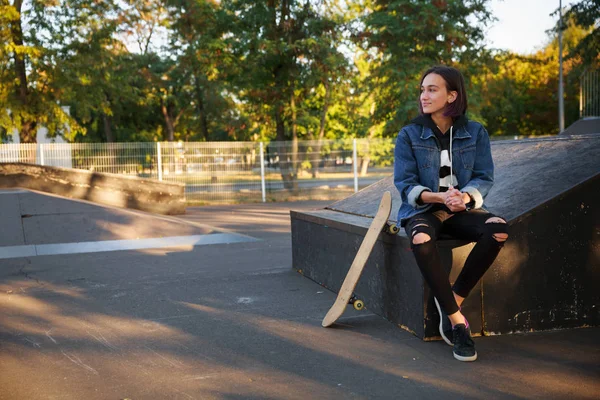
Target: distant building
(48, 151)
(42, 133)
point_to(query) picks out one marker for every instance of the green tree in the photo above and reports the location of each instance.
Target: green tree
(586, 14)
(30, 94)
(201, 41)
(105, 82)
(520, 91)
(118, 105)
(322, 79)
(282, 47)
(402, 38)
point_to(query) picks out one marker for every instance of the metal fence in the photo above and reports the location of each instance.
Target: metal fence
(228, 171)
(589, 94)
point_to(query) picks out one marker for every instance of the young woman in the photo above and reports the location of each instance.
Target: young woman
(443, 170)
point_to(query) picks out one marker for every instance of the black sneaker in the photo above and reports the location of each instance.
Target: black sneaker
(445, 325)
(464, 346)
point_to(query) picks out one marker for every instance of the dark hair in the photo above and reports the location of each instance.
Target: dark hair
(454, 82)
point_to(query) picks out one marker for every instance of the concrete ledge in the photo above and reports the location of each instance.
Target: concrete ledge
(109, 189)
(324, 243)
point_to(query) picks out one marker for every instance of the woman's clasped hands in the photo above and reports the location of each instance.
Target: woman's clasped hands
(454, 200)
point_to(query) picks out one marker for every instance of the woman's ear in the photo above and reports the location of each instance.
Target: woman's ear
(452, 96)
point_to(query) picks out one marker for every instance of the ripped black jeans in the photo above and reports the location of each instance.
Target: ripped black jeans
(466, 225)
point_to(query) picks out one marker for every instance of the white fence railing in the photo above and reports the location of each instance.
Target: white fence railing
(228, 171)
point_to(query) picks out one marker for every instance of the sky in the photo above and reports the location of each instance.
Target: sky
(522, 24)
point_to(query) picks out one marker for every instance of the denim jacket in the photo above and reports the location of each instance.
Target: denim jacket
(417, 165)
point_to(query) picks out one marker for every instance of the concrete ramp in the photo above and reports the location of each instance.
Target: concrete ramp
(583, 126)
(35, 223)
(546, 277)
(528, 173)
(11, 233)
(101, 188)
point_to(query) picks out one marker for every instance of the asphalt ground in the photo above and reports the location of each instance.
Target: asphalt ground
(233, 320)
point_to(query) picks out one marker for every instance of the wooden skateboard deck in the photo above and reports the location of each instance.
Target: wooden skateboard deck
(360, 260)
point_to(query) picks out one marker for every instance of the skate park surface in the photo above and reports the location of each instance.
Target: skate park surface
(104, 303)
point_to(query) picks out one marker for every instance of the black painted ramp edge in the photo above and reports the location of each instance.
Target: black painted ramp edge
(385, 184)
(556, 198)
(337, 220)
(357, 225)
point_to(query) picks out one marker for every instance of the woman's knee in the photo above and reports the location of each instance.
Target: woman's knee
(421, 230)
(421, 238)
(498, 228)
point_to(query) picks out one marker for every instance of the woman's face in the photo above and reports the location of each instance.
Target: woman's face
(434, 95)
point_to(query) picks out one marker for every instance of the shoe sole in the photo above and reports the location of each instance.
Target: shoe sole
(441, 327)
(462, 358)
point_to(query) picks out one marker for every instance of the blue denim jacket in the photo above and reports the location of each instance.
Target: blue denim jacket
(417, 165)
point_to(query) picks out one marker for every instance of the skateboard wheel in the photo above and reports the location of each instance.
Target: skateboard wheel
(393, 229)
(358, 305)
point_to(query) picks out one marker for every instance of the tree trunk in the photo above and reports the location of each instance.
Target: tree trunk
(28, 131)
(279, 123)
(168, 122)
(108, 133)
(364, 166)
(294, 143)
(367, 158)
(285, 162)
(317, 151)
(203, 119)
(279, 28)
(201, 110)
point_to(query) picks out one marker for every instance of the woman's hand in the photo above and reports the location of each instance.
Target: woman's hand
(454, 200)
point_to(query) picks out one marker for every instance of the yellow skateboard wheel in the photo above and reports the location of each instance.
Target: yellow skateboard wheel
(358, 305)
(393, 229)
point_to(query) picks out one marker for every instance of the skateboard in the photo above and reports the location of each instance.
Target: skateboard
(346, 294)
